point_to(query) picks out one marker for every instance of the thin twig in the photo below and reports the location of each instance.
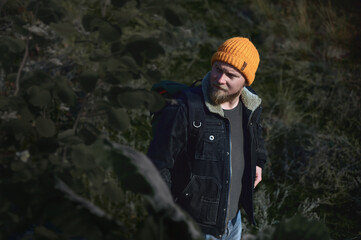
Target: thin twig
(80, 113)
(21, 67)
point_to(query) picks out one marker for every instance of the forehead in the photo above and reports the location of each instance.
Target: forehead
(227, 67)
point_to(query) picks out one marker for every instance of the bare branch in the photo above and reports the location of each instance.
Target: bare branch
(82, 109)
(17, 88)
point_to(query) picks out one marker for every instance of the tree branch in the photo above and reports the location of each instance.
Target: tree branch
(17, 88)
(80, 112)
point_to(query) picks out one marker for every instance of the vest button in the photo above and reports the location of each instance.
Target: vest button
(211, 137)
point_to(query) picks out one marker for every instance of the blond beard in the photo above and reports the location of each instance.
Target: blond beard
(217, 98)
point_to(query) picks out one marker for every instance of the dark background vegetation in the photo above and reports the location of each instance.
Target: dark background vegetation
(74, 92)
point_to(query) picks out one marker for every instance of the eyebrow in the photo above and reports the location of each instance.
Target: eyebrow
(232, 73)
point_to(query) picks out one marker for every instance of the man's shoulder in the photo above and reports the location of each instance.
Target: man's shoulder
(187, 99)
(251, 90)
(193, 94)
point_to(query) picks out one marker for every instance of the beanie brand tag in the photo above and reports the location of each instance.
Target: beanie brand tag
(244, 66)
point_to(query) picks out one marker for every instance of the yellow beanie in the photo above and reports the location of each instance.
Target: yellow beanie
(241, 54)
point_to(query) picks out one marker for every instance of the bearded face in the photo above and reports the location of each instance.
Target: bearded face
(226, 83)
(218, 96)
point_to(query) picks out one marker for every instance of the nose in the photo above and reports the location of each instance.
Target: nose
(221, 79)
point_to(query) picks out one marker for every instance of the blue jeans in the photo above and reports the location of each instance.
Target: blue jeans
(233, 231)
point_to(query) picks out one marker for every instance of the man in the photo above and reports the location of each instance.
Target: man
(208, 146)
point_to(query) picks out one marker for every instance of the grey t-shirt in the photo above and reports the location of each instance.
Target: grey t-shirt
(237, 157)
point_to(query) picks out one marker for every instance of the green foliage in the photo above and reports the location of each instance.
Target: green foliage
(74, 81)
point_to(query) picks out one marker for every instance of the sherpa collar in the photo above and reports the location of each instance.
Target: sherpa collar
(249, 99)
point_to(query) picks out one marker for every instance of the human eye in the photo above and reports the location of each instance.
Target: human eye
(231, 76)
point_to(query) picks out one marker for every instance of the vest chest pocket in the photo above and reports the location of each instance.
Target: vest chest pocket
(211, 143)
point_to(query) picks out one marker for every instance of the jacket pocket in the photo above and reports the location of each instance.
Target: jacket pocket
(201, 199)
(211, 143)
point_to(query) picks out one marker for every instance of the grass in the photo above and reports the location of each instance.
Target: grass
(311, 114)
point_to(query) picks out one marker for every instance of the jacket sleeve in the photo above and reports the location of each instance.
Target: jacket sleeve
(261, 150)
(169, 139)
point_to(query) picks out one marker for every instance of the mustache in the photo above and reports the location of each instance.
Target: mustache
(219, 87)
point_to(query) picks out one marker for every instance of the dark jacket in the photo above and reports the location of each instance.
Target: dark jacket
(194, 158)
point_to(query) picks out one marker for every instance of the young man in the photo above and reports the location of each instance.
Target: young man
(208, 146)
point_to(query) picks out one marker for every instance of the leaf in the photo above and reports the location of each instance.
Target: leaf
(17, 165)
(117, 47)
(141, 48)
(65, 30)
(154, 101)
(97, 55)
(26, 115)
(64, 92)
(118, 119)
(109, 32)
(129, 63)
(137, 173)
(11, 44)
(82, 157)
(78, 216)
(39, 97)
(90, 22)
(173, 16)
(68, 137)
(47, 145)
(88, 133)
(119, 3)
(45, 233)
(299, 227)
(37, 78)
(19, 128)
(45, 127)
(88, 81)
(47, 11)
(113, 191)
(117, 77)
(131, 99)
